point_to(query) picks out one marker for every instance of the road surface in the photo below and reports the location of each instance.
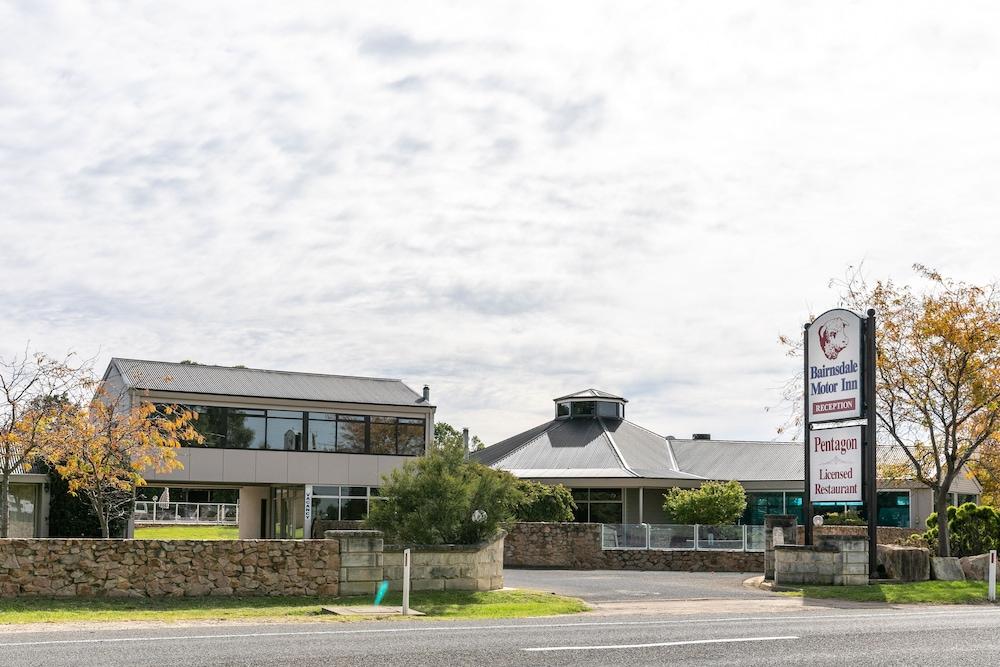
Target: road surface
(813, 635)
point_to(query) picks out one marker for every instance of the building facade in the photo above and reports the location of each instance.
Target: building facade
(299, 449)
(619, 471)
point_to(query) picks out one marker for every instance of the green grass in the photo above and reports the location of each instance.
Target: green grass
(436, 604)
(928, 592)
(187, 533)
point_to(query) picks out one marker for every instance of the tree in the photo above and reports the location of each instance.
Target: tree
(972, 529)
(447, 435)
(443, 498)
(937, 374)
(34, 393)
(106, 447)
(713, 503)
(544, 503)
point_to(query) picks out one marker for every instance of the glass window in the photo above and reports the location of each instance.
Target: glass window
(21, 501)
(562, 410)
(411, 436)
(605, 494)
(583, 409)
(580, 494)
(966, 498)
(246, 429)
(284, 433)
(581, 514)
(894, 508)
(326, 490)
(350, 435)
(605, 512)
(793, 506)
(760, 504)
(322, 435)
(383, 435)
(353, 509)
(608, 409)
(325, 508)
(355, 491)
(286, 414)
(211, 425)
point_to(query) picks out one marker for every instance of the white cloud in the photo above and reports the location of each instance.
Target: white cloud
(510, 202)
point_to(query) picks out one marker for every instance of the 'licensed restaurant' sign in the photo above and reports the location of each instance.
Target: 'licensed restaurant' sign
(835, 465)
(834, 367)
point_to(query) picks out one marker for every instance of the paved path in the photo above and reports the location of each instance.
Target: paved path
(606, 586)
(928, 635)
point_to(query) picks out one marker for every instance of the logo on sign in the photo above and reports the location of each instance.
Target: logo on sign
(833, 337)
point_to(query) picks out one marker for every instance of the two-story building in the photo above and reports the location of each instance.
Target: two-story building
(299, 448)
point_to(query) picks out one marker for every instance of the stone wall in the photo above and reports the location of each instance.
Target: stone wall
(577, 546)
(159, 568)
(886, 534)
(366, 562)
(835, 560)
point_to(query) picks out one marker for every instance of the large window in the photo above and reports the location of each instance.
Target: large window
(21, 500)
(291, 430)
(342, 503)
(760, 504)
(894, 508)
(598, 505)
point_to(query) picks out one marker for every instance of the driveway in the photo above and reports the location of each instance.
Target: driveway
(604, 586)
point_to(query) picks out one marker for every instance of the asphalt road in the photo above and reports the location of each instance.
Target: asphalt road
(617, 585)
(928, 635)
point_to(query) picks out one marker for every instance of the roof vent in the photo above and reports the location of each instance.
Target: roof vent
(427, 394)
(701, 436)
(670, 437)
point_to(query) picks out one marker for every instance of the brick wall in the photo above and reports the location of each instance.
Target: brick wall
(159, 568)
(577, 546)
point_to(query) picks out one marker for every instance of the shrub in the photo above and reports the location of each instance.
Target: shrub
(442, 498)
(848, 518)
(712, 503)
(972, 529)
(544, 503)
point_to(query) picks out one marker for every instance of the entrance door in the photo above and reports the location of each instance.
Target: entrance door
(288, 512)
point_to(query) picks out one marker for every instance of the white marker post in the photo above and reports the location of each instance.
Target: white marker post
(992, 590)
(406, 582)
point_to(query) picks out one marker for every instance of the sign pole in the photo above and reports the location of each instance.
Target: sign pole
(871, 449)
(807, 506)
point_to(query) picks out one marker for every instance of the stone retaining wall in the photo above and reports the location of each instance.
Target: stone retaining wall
(886, 534)
(835, 560)
(577, 546)
(159, 568)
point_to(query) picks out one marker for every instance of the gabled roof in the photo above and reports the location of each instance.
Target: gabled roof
(258, 383)
(584, 448)
(591, 394)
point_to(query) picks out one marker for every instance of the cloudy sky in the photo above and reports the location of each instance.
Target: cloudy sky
(508, 201)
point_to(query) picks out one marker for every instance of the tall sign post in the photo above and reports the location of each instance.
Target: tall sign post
(839, 416)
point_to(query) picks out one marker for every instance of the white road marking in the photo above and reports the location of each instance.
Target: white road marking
(420, 626)
(657, 644)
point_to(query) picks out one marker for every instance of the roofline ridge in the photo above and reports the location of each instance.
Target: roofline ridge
(614, 446)
(262, 370)
(552, 425)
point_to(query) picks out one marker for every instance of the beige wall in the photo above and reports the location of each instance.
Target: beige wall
(250, 497)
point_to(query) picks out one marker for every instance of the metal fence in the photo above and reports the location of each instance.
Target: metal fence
(665, 537)
(148, 511)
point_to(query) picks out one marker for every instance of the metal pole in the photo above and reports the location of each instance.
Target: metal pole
(992, 592)
(871, 449)
(406, 582)
(807, 506)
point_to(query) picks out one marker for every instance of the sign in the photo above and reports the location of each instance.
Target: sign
(835, 465)
(833, 375)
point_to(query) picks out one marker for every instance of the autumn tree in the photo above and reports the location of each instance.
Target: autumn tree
(446, 435)
(107, 446)
(35, 392)
(937, 375)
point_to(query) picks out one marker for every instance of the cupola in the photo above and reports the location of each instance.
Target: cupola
(590, 403)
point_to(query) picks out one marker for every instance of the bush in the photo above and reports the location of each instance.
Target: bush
(442, 498)
(72, 516)
(848, 518)
(713, 503)
(544, 503)
(972, 529)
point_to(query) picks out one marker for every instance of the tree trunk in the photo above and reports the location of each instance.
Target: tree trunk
(941, 507)
(4, 505)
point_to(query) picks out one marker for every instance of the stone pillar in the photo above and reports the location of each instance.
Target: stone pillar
(361, 564)
(787, 524)
(853, 566)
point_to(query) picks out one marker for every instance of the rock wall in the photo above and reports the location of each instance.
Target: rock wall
(158, 568)
(577, 546)
(886, 534)
(837, 561)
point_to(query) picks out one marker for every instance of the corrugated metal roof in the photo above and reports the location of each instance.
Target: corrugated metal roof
(258, 383)
(743, 461)
(571, 443)
(591, 393)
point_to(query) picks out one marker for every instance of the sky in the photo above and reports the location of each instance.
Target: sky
(506, 201)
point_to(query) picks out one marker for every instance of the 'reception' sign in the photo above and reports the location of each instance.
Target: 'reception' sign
(835, 465)
(834, 367)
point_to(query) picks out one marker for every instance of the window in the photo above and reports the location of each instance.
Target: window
(609, 409)
(966, 498)
(284, 430)
(21, 501)
(383, 435)
(351, 436)
(583, 409)
(247, 429)
(210, 424)
(562, 410)
(322, 432)
(411, 436)
(793, 506)
(597, 505)
(760, 504)
(894, 508)
(342, 503)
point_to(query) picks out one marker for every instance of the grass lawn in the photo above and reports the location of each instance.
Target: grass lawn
(929, 592)
(187, 532)
(436, 604)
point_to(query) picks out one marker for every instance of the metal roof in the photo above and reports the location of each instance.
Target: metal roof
(591, 393)
(742, 460)
(570, 443)
(259, 383)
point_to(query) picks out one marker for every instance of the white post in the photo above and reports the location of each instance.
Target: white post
(406, 582)
(992, 593)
